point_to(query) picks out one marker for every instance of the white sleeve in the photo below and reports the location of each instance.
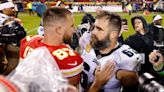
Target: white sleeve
(38, 71)
(130, 60)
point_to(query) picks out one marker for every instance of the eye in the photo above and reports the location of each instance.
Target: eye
(98, 28)
(92, 27)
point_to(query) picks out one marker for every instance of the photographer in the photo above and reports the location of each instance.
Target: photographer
(11, 33)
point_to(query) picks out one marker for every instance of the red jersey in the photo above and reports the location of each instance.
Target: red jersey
(69, 61)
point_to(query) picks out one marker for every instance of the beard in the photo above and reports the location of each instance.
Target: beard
(100, 45)
(67, 39)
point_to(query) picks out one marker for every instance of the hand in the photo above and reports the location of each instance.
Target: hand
(126, 77)
(124, 28)
(102, 75)
(153, 57)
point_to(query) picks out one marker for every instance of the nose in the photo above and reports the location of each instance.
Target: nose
(94, 31)
(136, 24)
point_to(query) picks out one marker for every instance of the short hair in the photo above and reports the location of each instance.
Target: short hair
(8, 11)
(114, 20)
(55, 15)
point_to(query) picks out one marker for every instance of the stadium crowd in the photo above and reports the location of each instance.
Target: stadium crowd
(89, 59)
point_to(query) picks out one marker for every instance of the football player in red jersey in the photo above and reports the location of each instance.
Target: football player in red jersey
(58, 25)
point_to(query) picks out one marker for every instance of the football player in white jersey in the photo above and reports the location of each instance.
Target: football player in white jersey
(108, 64)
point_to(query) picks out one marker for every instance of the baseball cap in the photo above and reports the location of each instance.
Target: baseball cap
(157, 17)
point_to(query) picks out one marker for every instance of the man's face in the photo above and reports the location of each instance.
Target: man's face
(69, 30)
(138, 25)
(158, 22)
(100, 38)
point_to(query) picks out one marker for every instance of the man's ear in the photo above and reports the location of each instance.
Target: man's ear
(113, 34)
(59, 30)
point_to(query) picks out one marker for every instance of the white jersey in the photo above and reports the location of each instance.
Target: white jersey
(124, 57)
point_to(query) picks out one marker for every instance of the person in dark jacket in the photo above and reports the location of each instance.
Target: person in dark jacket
(157, 29)
(142, 42)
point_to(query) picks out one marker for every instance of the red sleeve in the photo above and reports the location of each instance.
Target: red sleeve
(69, 62)
(28, 44)
(22, 47)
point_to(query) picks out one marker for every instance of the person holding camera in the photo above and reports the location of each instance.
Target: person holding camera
(11, 32)
(157, 60)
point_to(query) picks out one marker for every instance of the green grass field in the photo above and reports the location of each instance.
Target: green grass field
(31, 23)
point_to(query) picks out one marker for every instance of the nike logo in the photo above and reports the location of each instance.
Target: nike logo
(73, 64)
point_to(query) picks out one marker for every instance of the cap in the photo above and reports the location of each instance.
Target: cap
(157, 17)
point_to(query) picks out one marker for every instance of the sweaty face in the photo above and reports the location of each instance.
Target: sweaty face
(138, 25)
(69, 30)
(100, 37)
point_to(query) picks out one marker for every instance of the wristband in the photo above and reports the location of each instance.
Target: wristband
(117, 72)
(161, 69)
(161, 73)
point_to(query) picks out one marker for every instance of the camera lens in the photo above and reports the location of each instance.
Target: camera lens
(147, 83)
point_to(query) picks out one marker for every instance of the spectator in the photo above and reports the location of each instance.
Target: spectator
(157, 20)
(55, 34)
(108, 64)
(157, 29)
(29, 7)
(11, 34)
(129, 6)
(142, 42)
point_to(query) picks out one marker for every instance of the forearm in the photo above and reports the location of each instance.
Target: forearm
(94, 87)
(74, 80)
(127, 77)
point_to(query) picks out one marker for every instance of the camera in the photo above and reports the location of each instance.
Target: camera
(11, 33)
(148, 83)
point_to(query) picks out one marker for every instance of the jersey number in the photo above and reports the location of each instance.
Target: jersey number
(129, 52)
(63, 53)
